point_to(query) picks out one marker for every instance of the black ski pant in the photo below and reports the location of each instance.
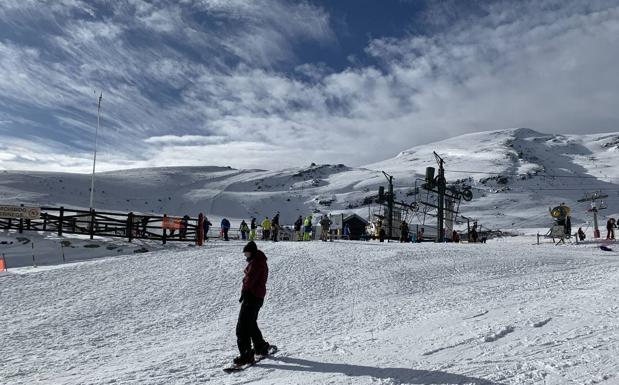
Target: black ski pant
(225, 234)
(611, 233)
(404, 237)
(275, 234)
(247, 330)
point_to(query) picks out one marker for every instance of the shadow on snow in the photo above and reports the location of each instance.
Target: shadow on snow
(397, 375)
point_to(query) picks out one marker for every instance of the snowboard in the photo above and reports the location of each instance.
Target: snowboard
(257, 358)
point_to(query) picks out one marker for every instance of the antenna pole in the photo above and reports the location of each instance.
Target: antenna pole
(94, 160)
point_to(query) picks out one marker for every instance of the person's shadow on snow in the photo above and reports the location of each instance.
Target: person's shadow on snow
(397, 375)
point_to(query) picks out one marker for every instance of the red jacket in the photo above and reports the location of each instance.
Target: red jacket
(256, 274)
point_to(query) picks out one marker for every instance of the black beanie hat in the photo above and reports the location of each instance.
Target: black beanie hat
(250, 247)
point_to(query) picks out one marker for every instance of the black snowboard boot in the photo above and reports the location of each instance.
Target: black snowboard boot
(244, 359)
(263, 350)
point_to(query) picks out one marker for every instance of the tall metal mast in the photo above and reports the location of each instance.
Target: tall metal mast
(94, 160)
(441, 185)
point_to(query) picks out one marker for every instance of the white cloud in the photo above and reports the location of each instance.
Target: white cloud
(185, 139)
(270, 27)
(545, 65)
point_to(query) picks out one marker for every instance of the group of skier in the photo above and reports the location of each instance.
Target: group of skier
(611, 225)
(303, 228)
(271, 228)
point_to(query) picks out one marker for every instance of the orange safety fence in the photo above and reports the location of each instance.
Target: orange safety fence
(2, 264)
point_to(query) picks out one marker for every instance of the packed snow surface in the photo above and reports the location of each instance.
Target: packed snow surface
(507, 312)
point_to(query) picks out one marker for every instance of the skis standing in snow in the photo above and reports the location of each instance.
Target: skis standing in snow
(252, 298)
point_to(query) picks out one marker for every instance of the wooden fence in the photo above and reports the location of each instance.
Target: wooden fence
(111, 224)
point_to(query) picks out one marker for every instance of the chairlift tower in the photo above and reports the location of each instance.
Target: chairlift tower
(441, 185)
(593, 198)
(436, 185)
(390, 199)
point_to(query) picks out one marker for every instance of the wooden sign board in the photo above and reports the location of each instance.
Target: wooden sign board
(20, 212)
(171, 223)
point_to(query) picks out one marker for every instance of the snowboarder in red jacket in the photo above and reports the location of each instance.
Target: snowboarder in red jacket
(252, 298)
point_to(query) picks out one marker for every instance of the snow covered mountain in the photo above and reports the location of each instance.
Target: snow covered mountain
(516, 175)
(343, 312)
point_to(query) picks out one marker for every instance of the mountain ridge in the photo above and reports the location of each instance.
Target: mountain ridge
(516, 174)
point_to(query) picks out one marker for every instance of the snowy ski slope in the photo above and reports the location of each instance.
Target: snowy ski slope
(506, 312)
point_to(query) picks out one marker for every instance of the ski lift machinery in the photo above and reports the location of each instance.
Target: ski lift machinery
(448, 197)
(594, 197)
(445, 198)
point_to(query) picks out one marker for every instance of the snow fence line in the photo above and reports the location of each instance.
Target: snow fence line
(131, 225)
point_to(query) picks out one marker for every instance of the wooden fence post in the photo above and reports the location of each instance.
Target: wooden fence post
(200, 230)
(130, 226)
(165, 231)
(60, 220)
(21, 222)
(92, 223)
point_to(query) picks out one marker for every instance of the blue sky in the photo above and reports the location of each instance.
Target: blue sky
(277, 83)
